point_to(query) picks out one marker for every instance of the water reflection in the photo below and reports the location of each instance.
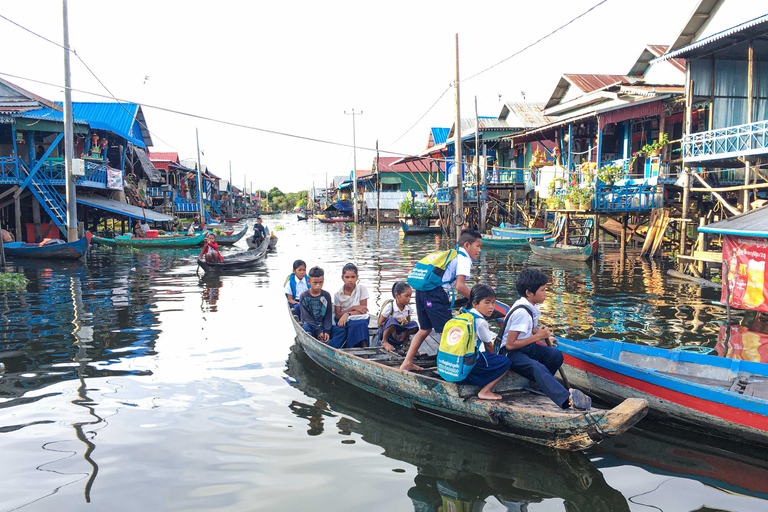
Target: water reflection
(455, 465)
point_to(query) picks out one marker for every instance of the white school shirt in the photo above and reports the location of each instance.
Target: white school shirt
(392, 309)
(521, 321)
(347, 301)
(482, 330)
(301, 287)
(461, 265)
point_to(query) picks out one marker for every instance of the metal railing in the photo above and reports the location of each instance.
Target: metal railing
(500, 177)
(9, 170)
(626, 198)
(745, 139)
(185, 205)
(444, 194)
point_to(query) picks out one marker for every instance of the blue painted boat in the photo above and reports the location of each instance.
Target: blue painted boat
(520, 233)
(714, 395)
(521, 413)
(53, 251)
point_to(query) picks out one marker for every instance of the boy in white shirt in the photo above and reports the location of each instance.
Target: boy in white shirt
(433, 307)
(531, 360)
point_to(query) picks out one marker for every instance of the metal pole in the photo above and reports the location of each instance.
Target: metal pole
(750, 117)
(483, 173)
(477, 162)
(200, 183)
(378, 189)
(459, 214)
(354, 159)
(68, 136)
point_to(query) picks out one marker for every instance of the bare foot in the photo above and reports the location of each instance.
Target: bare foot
(387, 346)
(488, 396)
(410, 367)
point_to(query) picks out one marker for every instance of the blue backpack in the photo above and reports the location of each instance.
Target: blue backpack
(292, 281)
(458, 350)
(427, 274)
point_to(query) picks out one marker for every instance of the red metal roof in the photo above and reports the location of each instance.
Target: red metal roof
(589, 83)
(387, 164)
(162, 160)
(660, 49)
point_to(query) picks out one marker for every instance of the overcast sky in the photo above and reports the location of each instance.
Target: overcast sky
(296, 67)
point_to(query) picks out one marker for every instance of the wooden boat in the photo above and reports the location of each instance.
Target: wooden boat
(170, 242)
(556, 250)
(332, 220)
(252, 245)
(503, 241)
(233, 220)
(272, 242)
(520, 233)
(232, 238)
(302, 217)
(410, 229)
(238, 262)
(521, 414)
(445, 451)
(715, 395)
(53, 251)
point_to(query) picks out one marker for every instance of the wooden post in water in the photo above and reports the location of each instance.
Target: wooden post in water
(750, 118)
(36, 220)
(17, 210)
(623, 235)
(686, 175)
(459, 214)
(378, 190)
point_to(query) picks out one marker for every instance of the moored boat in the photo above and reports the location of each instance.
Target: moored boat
(333, 220)
(231, 238)
(520, 233)
(553, 249)
(253, 245)
(410, 229)
(503, 241)
(237, 262)
(521, 414)
(300, 216)
(54, 251)
(171, 242)
(715, 395)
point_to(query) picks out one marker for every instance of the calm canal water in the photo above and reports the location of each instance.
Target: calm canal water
(131, 383)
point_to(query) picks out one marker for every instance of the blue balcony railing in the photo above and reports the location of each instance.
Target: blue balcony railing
(505, 176)
(158, 192)
(9, 170)
(470, 194)
(186, 205)
(731, 142)
(627, 198)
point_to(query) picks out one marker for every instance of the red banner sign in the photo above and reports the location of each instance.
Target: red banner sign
(745, 260)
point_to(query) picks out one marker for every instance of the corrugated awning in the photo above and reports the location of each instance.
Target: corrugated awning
(753, 223)
(146, 165)
(391, 180)
(126, 210)
(635, 110)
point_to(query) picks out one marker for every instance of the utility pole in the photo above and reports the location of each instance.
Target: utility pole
(378, 189)
(229, 189)
(458, 217)
(200, 183)
(354, 158)
(69, 142)
(477, 169)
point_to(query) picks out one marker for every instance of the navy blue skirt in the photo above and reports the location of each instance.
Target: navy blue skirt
(357, 332)
(409, 327)
(488, 368)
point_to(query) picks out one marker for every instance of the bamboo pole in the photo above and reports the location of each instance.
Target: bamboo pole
(714, 193)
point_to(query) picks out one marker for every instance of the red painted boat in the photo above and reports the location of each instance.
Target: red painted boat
(332, 220)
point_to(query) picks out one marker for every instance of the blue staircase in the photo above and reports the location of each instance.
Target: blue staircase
(52, 202)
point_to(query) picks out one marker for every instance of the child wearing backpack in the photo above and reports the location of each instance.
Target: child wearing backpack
(350, 304)
(395, 324)
(433, 305)
(518, 342)
(296, 285)
(459, 348)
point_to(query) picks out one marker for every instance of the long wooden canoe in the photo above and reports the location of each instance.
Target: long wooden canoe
(556, 250)
(231, 239)
(504, 241)
(521, 414)
(53, 251)
(715, 395)
(238, 262)
(520, 233)
(170, 242)
(332, 220)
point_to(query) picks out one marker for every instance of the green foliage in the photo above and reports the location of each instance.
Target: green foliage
(416, 209)
(610, 173)
(650, 148)
(279, 227)
(13, 282)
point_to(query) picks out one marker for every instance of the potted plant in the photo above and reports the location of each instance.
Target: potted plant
(610, 173)
(652, 149)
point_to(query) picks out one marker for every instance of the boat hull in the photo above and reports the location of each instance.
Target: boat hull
(503, 241)
(231, 239)
(66, 251)
(420, 230)
(520, 233)
(604, 368)
(238, 262)
(562, 252)
(529, 416)
(175, 242)
(335, 220)
(252, 245)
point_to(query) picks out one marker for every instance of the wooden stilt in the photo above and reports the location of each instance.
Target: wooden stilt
(17, 209)
(36, 220)
(624, 234)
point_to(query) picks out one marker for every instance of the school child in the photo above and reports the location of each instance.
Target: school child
(395, 324)
(433, 307)
(210, 252)
(317, 313)
(296, 285)
(350, 304)
(521, 332)
(489, 367)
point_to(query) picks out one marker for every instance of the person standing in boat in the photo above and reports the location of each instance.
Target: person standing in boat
(433, 307)
(350, 305)
(317, 311)
(521, 333)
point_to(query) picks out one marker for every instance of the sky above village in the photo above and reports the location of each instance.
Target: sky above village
(238, 68)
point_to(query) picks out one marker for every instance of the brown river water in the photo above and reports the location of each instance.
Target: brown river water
(133, 383)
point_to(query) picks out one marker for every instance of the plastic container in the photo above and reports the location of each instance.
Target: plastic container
(151, 233)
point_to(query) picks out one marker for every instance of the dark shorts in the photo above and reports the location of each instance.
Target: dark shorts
(488, 368)
(433, 308)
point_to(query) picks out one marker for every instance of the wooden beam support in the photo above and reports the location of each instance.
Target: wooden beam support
(712, 191)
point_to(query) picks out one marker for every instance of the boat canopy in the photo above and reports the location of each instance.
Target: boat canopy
(339, 206)
(119, 208)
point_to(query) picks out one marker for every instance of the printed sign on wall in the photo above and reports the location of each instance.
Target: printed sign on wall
(744, 258)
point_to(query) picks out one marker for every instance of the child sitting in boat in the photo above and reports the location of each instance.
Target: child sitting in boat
(395, 324)
(533, 361)
(296, 285)
(490, 367)
(210, 252)
(137, 231)
(317, 313)
(351, 307)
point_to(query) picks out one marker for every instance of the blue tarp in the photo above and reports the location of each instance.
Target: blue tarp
(339, 206)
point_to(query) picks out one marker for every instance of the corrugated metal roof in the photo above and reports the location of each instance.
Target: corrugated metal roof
(438, 135)
(650, 52)
(526, 115)
(390, 199)
(159, 156)
(586, 83)
(117, 118)
(749, 29)
(408, 165)
(15, 99)
(125, 209)
(47, 114)
(752, 223)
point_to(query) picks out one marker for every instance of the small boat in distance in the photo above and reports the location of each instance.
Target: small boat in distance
(158, 242)
(333, 220)
(555, 250)
(232, 238)
(520, 233)
(302, 216)
(53, 249)
(413, 229)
